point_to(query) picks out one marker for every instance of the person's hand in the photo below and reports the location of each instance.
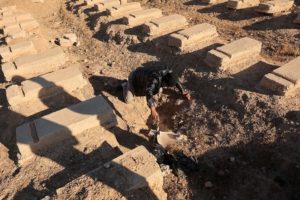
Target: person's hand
(154, 114)
(187, 96)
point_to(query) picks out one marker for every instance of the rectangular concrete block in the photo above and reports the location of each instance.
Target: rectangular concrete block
(124, 9)
(239, 52)
(134, 174)
(290, 71)
(92, 2)
(19, 49)
(276, 84)
(283, 80)
(142, 16)
(38, 90)
(64, 124)
(242, 4)
(276, 6)
(165, 25)
(19, 34)
(107, 4)
(11, 29)
(29, 25)
(212, 1)
(192, 36)
(35, 65)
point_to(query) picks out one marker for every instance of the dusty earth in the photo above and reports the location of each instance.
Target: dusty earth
(244, 140)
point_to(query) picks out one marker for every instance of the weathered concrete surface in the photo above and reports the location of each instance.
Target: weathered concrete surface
(35, 65)
(47, 90)
(29, 25)
(192, 36)
(142, 16)
(107, 4)
(133, 175)
(8, 53)
(277, 6)
(68, 123)
(15, 18)
(124, 9)
(92, 2)
(234, 56)
(165, 25)
(242, 4)
(285, 80)
(213, 1)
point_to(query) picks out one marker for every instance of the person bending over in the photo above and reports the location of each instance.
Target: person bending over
(149, 81)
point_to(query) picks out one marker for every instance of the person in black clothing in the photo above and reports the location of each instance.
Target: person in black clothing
(148, 81)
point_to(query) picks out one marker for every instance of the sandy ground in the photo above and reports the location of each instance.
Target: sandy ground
(245, 141)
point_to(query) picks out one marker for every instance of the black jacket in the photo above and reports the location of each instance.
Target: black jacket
(148, 81)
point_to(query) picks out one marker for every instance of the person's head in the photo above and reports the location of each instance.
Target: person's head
(169, 79)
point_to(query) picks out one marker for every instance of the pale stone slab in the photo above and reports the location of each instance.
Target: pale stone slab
(124, 9)
(242, 4)
(193, 36)
(284, 80)
(277, 6)
(290, 71)
(14, 51)
(165, 25)
(35, 65)
(29, 25)
(276, 84)
(38, 88)
(127, 175)
(64, 124)
(238, 52)
(213, 1)
(107, 4)
(11, 29)
(142, 16)
(92, 2)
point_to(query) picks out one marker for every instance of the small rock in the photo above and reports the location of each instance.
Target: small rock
(232, 159)
(208, 184)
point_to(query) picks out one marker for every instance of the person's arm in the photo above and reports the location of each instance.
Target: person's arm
(150, 100)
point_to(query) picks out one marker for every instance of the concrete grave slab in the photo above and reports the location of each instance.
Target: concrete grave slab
(142, 16)
(9, 53)
(242, 4)
(213, 1)
(276, 6)
(107, 4)
(192, 36)
(92, 2)
(234, 56)
(35, 65)
(284, 80)
(135, 174)
(165, 25)
(29, 25)
(124, 9)
(52, 87)
(66, 124)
